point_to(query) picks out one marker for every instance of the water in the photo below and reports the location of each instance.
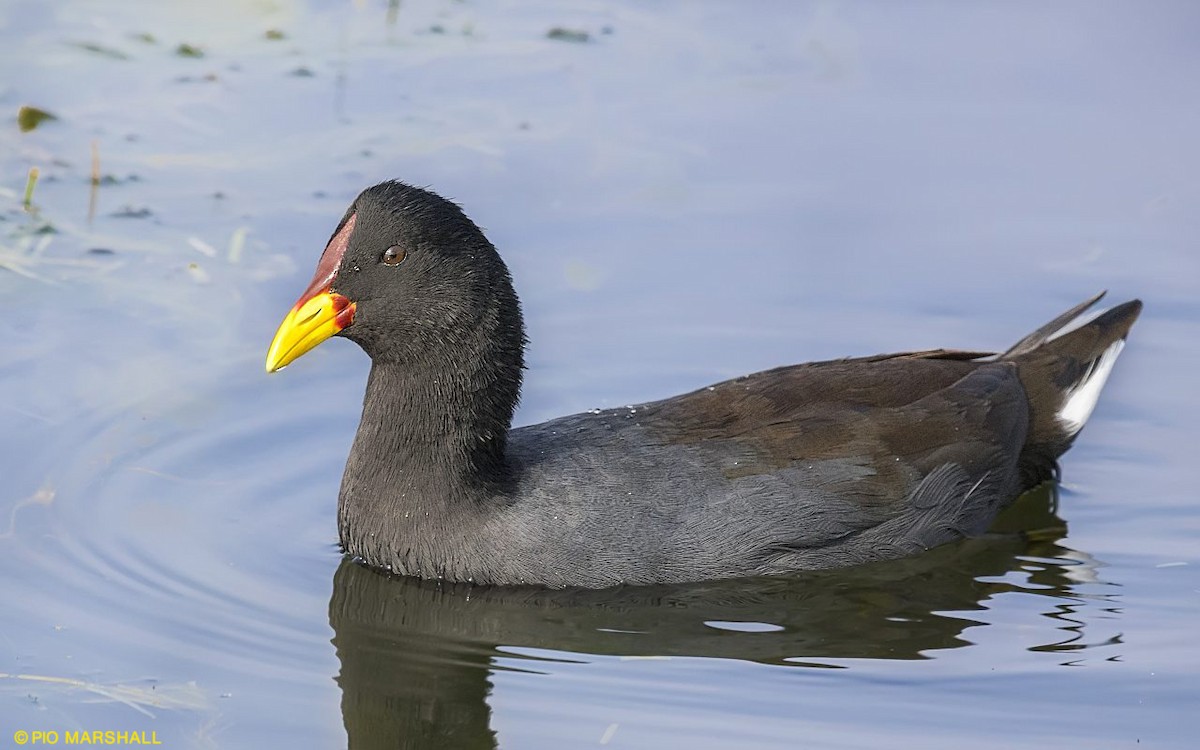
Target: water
(695, 192)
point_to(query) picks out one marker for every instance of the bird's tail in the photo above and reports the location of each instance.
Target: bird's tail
(1063, 366)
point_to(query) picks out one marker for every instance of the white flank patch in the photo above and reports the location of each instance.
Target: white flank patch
(1082, 398)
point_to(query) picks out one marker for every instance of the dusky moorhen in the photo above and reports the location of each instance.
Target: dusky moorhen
(807, 466)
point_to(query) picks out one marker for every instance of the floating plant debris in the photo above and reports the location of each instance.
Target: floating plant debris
(188, 50)
(578, 36)
(29, 118)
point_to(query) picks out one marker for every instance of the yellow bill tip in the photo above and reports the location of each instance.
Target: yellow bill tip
(309, 323)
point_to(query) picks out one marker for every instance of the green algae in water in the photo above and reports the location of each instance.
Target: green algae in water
(29, 118)
(99, 49)
(188, 50)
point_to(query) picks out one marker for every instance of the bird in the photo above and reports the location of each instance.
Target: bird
(808, 466)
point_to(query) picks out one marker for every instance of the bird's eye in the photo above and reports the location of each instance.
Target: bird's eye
(394, 255)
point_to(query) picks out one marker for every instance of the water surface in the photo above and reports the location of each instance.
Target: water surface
(684, 192)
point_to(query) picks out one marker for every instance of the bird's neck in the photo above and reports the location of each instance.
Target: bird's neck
(418, 421)
(429, 455)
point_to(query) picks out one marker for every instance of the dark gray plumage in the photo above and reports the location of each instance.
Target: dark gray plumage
(810, 466)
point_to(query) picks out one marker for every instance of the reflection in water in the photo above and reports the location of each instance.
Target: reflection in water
(415, 655)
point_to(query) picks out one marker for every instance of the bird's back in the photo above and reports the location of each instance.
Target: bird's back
(819, 465)
(810, 466)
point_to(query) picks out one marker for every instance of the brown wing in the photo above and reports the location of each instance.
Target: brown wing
(921, 447)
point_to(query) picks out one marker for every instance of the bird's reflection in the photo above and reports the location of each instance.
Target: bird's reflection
(415, 655)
